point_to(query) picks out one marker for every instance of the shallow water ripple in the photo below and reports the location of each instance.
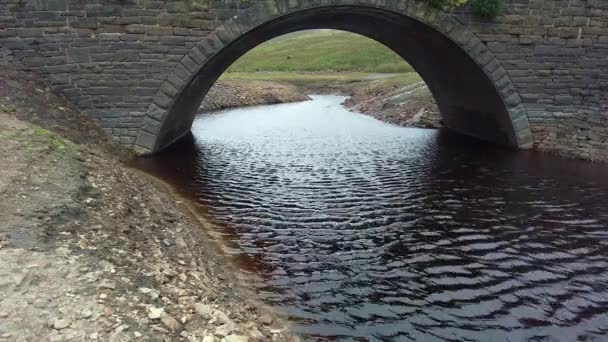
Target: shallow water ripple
(358, 230)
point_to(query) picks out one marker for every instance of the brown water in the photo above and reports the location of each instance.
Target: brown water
(359, 230)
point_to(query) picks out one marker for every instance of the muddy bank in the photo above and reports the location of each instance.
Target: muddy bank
(93, 250)
(239, 93)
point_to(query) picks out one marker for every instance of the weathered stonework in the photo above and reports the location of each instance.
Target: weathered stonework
(127, 62)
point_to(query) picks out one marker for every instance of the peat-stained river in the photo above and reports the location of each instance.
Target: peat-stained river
(359, 230)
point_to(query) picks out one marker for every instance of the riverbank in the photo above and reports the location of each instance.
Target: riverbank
(93, 250)
(238, 93)
(401, 99)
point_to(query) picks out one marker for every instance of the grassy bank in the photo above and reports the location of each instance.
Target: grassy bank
(305, 78)
(297, 76)
(322, 50)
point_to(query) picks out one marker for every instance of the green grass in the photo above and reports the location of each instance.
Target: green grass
(321, 51)
(303, 78)
(56, 145)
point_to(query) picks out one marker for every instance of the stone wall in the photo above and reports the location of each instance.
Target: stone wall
(110, 57)
(556, 53)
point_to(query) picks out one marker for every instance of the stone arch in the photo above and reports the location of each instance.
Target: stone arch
(473, 91)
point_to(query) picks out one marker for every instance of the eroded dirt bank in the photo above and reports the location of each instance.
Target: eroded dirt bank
(409, 105)
(92, 250)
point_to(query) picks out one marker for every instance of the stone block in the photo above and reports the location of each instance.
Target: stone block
(563, 100)
(78, 55)
(159, 30)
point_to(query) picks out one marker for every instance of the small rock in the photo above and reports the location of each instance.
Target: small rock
(180, 242)
(236, 338)
(153, 294)
(86, 313)
(6, 335)
(155, 313)
(225, 329)
(255, 334)
(55, 338)
(170, 322)
(137, 334)
(220, 316)
(94, 336)
(203, 310)
(61, 324)
(103, 296)
(266, 318)
(3, 314)
(106, 284)
(160, 329)
(118, 333)
(209, 338)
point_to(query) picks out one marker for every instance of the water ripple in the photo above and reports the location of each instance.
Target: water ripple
(358, 230)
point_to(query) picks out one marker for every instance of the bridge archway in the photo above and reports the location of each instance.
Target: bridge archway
(473, 92)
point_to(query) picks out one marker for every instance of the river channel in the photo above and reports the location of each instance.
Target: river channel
(359, 230)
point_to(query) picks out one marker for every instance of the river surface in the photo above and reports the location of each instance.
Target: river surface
(359, 230)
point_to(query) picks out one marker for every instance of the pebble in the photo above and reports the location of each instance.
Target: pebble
(236, 338)
(3, 315)
(220, 316)
(153, 294)
(86, 313)
(55, 338)
(266, 319)
(255, 334)
(203, 310)
(94, 336)
(225, 329)
(170, 322)
(145, 290)
(61, 324)
(106, 284)
(155, 313)
(137, 334)
(180, 242)
(209, 338)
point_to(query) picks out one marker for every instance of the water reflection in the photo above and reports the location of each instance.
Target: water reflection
(359, 230)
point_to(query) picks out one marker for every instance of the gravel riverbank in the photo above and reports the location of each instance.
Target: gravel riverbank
(93, 250)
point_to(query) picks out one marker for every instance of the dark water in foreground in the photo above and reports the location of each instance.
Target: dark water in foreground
(358, 230)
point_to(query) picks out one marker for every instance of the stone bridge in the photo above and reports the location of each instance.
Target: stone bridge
(537, 75)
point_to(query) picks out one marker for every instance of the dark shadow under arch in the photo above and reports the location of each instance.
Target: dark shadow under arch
(468, 99)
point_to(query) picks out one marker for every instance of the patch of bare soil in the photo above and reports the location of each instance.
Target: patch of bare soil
(242, 93)
(92, 250)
